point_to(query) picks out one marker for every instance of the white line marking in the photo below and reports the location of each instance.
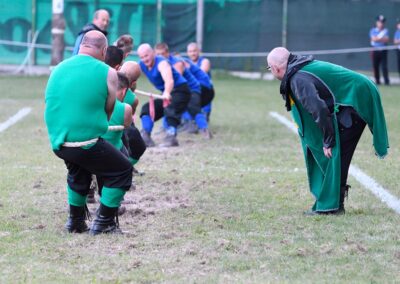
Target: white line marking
(368, 182)
(15, 118)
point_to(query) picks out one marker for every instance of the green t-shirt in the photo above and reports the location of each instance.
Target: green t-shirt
(129, 97)
(75, 98)
(117, 118)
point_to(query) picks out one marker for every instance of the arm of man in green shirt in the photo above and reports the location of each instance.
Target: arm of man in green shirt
(112, 84)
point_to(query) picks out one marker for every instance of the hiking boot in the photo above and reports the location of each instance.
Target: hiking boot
(192, 128)
(135, 172)
(106, 221)
(206, 133)
(90, 197)
(121, 210)
(170, 141)
(147, 139)
(76, 220)
(344, 191)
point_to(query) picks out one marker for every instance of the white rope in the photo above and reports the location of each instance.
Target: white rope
(116, 127)
(232, 54)
(147, 94)
(80, 144)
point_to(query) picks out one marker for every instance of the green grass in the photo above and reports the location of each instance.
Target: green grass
(227, 210)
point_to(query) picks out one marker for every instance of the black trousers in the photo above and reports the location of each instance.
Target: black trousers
(102, 160)
(194, 106)
(207, 95)
(133, 142)
(173, 112)
(379, 57)
(349, 137)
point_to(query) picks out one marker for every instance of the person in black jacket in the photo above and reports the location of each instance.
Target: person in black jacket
(331, 106)
(100, 22)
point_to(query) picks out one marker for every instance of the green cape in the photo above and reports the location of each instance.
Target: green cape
(349, 89)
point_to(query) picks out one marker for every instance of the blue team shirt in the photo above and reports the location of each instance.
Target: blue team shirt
(155, 77)
(376, 32)
(200, 75)
(193, 84)
(397, 37)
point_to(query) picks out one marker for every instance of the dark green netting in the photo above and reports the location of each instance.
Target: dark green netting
(229, 26)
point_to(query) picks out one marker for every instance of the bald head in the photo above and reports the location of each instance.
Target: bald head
(146, 54)
(94, 43)
(144, 47)
(131, 69)
(101, 19)
(193, 51)
(277, 60)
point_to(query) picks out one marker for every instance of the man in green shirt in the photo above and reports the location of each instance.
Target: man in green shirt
(331, 106)
(134, 141)
(80, 97)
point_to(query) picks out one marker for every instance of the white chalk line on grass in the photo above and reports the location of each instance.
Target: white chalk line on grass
(15, 118)
(368, 182)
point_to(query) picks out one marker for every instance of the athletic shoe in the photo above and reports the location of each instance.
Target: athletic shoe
(206, 133)
(170, 141)
(147, 139)
(192, 128)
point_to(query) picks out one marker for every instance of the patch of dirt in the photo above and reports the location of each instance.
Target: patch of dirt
(354, 247)
(38, 184)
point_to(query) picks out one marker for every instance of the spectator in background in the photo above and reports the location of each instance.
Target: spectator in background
(397, 41)
(125, 42)
(379, 37)
(100, 22)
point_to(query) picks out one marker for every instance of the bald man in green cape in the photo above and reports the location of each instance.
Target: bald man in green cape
(331, 106)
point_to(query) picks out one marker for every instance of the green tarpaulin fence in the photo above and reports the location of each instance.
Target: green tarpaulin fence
(229, 26)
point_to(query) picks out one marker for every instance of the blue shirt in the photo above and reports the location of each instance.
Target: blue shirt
(397, 37)
(193, 84)
(381, 33)
(200, 75)
(155, 77)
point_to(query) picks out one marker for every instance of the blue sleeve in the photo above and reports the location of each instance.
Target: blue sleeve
(371, 32)
(77, 44)
(387, 32)
(397, 34)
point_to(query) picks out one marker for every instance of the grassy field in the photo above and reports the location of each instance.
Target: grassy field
(227, 210)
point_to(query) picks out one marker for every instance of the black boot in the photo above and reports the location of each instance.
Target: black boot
(76, 220)
(344, 190)
(106, 221)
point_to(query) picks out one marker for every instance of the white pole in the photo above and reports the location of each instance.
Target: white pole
(57, 32)
(159, 20)
(200, 23)
(284, 22)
